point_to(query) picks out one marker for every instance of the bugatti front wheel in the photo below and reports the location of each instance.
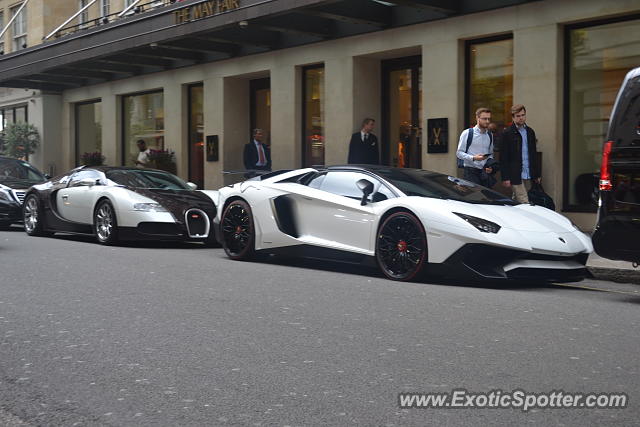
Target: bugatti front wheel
(105, 223)
(238, 234)
(401, 246)
(33, 217)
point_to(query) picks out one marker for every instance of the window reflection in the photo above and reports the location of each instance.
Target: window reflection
(313, 116)
(143, 119)
(599, 57)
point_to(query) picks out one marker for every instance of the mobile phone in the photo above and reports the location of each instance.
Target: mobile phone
(486, 155)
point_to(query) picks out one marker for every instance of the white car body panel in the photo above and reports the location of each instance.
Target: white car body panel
(332, 221)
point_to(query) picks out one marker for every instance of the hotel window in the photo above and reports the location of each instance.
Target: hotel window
(105, 7)
(19, 28)
(2, 26)
(489, 69)
(88, 129)
(143, 119)
(598, 56)
(313, 115)
(84, 16)
(196, 134)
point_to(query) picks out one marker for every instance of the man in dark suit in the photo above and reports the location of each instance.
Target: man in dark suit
(363, 148)
(518, 156)
(257, 155)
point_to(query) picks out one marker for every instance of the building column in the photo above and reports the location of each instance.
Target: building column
(175, 124)
(286, 117)
(46, 114)
(213, 107)
(537, 85)
(339, 109)
(442, 97)
(111, 130)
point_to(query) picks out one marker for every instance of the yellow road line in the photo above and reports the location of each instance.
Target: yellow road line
(589, 288)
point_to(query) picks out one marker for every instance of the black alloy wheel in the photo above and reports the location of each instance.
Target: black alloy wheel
(238, 234)
(401, 246)
(33, 217)
(105, 224)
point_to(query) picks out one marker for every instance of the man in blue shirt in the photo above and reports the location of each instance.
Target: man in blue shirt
(518, 155)
(475, 157)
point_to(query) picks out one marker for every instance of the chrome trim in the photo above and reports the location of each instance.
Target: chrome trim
(207, 223)
(19, 195)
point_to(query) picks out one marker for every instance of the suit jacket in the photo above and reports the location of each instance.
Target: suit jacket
(511, 155)
(364, 152)
(250, 157)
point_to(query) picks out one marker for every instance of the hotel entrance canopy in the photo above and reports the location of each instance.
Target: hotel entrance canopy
(162, 35)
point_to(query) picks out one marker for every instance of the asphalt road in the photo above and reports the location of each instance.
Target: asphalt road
(177, 334)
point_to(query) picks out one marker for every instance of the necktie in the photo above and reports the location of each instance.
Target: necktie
(261, 155)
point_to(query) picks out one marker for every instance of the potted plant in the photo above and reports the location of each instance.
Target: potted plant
(92, 159)
(20, 139)
(163, 160)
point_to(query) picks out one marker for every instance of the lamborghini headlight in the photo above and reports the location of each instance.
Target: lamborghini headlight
(149, 207)
(479, 223)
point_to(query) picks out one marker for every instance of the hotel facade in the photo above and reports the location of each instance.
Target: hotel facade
(195, 77)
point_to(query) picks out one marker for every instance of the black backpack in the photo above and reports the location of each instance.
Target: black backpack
(538, 197)
(469, 141)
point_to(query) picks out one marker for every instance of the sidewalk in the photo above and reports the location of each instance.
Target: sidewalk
(617, 271)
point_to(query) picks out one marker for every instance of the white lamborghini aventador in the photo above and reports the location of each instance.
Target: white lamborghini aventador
(408, 221)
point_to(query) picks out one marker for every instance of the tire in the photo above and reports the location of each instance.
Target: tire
(238, 233)
(105, 223)
(401, 246)
(33, 217)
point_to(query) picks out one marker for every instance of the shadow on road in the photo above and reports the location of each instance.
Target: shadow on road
(152, 244)
(365, 270)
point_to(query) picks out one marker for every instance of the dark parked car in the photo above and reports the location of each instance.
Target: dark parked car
(16, 176)
(617, 232)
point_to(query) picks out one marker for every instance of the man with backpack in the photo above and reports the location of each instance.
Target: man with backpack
(475, 151)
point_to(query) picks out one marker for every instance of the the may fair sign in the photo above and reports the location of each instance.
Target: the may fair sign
(204, 10)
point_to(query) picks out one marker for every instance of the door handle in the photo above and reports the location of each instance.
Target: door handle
(65, 197)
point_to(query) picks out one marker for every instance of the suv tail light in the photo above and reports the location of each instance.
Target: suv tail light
(605, 170)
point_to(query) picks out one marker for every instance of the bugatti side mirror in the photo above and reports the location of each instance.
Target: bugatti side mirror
(367, 188)
(192, 186)
(88, 182)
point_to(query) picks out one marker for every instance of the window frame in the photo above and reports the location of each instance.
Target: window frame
(20, 23)
(123, 145)
(467, 70)
(306, 68)
(566, 113)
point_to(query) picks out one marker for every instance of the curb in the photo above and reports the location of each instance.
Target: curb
(616, 274)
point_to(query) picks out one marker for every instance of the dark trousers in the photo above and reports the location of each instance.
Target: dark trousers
(478, 176)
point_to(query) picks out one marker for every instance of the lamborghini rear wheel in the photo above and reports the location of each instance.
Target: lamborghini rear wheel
(238, 234)
(401, 246)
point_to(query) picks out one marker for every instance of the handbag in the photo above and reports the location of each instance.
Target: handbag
(538, 197)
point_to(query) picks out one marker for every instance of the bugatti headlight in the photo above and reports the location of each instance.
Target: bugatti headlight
(149, 207)
(479, 223)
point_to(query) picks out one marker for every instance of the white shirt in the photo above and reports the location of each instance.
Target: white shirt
(264, 155)
(143, 157)
(481, 144)
(363, 136)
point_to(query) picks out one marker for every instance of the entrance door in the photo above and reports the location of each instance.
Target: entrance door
(401, 112)
(261, 107)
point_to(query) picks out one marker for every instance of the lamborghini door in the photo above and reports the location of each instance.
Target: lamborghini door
(329, 212)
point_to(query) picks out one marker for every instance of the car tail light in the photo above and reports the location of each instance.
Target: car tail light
(605, 170)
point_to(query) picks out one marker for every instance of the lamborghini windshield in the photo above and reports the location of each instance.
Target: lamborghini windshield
(19, 171)
(141, 178)
(418, 182)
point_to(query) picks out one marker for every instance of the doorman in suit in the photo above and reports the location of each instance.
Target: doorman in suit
(363, 148)
(257, 155)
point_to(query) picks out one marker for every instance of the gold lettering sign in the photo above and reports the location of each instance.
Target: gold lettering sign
(204, 10)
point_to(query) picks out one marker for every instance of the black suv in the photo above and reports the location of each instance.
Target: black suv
(617, 232)
(16, 176)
